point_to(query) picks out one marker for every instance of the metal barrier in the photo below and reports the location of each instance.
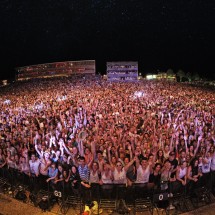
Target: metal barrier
(138, 196)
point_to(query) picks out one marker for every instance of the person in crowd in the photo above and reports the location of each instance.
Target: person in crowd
(166, 179)
(106, 181)
(25, 169)
(2, 163)
(94, 179)
(34, 172)
(75, 181)
(84, 172)
(181, 178)
(155, 176)
(142, 178)
(17, 169)
(45, 162)
(59, 180)
(206, 167)
(120, 178)
(11, 149)
(143, 171)
(88, 155)
(174, 163)
(52, 176)
(194, 176)
(160, 157)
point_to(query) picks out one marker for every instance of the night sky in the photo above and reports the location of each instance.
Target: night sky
(160, 34)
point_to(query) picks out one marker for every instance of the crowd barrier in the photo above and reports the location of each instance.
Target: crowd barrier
(108, 196)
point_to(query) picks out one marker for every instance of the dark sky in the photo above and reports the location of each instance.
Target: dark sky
(160, 34)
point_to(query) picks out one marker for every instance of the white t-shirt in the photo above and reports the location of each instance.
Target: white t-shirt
(206, 166)
(94, 177)
(119, 177)
(142, 175)
(107, 179)
(34, 167)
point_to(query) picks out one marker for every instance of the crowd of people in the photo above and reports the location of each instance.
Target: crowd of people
(85, 134)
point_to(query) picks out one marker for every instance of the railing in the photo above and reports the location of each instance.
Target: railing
(137, 197)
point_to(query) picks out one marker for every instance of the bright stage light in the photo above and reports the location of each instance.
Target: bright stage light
(138, 94)
(150, 77)
(38, 106)
(7, 101)
(61, 98)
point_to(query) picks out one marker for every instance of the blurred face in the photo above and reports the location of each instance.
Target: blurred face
(113, 149)
(184, 165)
(119, 166)
(105, 167)
(33, 157)
(171, 156)
(23, 160)
(196, 163)
(138, 150)
(87, 151)
(82, 162)
(8, 154)
(126, 160)
(183, 154)
(158, 168)
(187, 157)
(60, 168)
(151, 157)
(99, 155)
(113, 159)
(53, 166)
(167, 165)
(144, 163)
(191, 148)
(166, 148)
(95, 166)
(73, 169)
(46, 155)
(160, 153)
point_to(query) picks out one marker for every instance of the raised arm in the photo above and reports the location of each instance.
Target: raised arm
(197, 147)
(38, 151)
(129, 164)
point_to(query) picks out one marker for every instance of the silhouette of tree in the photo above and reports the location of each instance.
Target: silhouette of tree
(180, 74)
(189, 76)
(196, 77)
(170, 72)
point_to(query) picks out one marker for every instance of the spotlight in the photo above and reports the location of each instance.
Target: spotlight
(138, 94)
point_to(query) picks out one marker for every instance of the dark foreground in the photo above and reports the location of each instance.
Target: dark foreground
(9, 206)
